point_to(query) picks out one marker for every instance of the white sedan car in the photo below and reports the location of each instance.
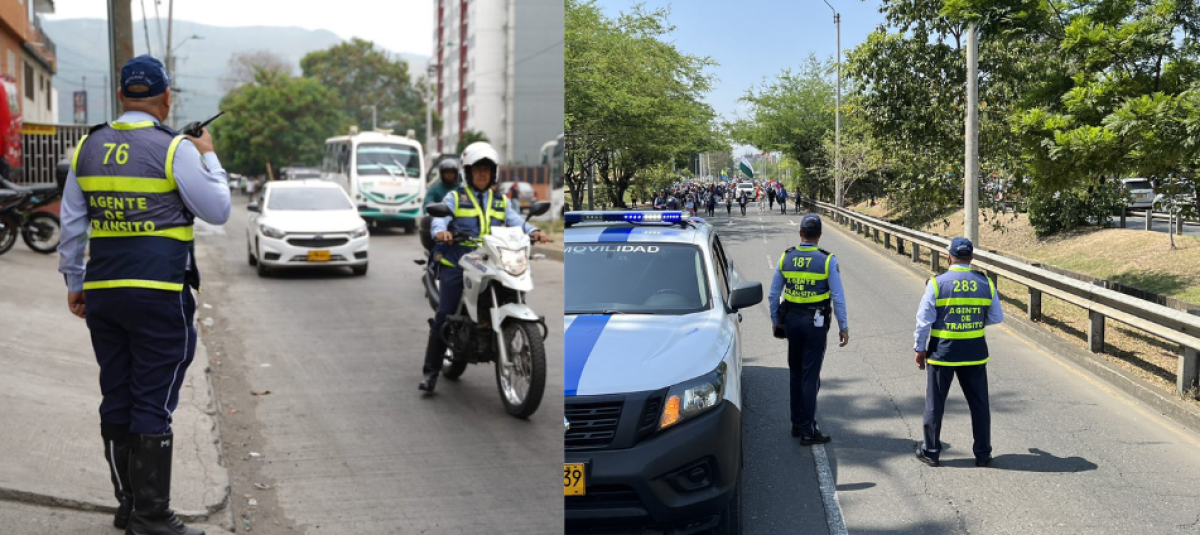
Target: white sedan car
(305, 223)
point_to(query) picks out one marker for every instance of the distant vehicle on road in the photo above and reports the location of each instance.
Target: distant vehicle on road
(305, 223)
(384, 172)
(1185, 194)
(1139, 192)
(749, 189)
(299, 173)
(525, 194)
(553, 155)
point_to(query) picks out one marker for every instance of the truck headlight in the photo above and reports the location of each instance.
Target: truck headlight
(271, 232)
(694, 397)
(362, 231)
(514, 261)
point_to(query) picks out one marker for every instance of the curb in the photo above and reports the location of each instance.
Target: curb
(1169, 406)
(190, 516)
(553, 253)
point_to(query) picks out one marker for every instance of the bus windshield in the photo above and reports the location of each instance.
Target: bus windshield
(388, 159)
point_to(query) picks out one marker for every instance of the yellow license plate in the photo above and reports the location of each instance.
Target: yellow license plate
(574, 479)
(318, 256)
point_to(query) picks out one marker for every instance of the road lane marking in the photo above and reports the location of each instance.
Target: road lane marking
(833, 509)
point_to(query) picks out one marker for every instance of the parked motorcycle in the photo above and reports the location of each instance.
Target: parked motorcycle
(41, 231)
(492, 322)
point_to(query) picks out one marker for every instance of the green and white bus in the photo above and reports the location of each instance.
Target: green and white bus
(384, 172)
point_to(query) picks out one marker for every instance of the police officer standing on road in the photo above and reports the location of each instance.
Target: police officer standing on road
(477, 208)
(957, 305)
(138, 185)
(809, 280)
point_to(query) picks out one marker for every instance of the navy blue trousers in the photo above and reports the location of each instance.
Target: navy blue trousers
(144, 342)
(806, 353)
(973, 380)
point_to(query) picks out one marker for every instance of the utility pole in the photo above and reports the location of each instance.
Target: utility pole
(837, 117)
(146, 27)
(107, 95)
(120, 44)
(429, 109)
(171, 61)
(971, 173)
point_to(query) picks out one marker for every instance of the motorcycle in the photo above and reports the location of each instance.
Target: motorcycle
(492, 322)
(41, 231)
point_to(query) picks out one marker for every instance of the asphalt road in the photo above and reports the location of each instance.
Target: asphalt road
(1072, 454)
(1159, 225)
(344, 442)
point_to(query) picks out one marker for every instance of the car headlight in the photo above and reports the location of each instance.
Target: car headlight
(692, 398)
(271, 232)
(514, 261)
(362, 231)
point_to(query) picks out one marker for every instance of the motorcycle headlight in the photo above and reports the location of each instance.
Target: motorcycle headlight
(271, 232)
(692, 398)
(514, 261)
(362, 231)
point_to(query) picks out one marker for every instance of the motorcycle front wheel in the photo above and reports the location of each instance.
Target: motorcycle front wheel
(42, 232)
(523, 383)
(8, 232)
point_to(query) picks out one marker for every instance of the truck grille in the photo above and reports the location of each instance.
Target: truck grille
(593, 425)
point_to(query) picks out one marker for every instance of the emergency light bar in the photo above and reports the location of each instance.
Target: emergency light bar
(627, 217)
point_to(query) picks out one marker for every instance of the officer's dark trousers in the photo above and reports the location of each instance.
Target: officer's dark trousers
(973, 380)
(806, 353)
(144, 341)
(449, 294)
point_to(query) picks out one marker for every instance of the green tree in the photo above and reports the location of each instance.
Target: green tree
(633, 100)
(277, 119)
(366, 76)
(468, 137)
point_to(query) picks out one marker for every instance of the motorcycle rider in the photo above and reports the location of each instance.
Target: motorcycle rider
(448, 181)
(477, 207)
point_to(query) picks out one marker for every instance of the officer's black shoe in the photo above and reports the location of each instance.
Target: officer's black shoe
(983, 462)
(818, 438)
(924, 458)
(150, 473)
(429, 382)
(116, 453)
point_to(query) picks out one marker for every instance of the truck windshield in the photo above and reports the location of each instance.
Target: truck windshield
(635, 278)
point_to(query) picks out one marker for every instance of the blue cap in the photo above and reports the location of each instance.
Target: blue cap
(961, 247)
(145, 71)
(811, 222)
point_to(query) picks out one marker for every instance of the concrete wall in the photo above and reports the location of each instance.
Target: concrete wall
(538, 78)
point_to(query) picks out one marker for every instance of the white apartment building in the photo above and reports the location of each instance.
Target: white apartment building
(498, 69)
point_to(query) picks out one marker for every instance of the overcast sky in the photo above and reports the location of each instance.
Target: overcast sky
(397, 25)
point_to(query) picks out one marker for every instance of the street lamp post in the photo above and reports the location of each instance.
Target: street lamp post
(429, 83)
(176, 104)
(837, 124)
(374, 120)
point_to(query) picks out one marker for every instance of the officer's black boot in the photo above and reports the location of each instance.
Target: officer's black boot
(435, 350)
(150, 473)
(116, 453)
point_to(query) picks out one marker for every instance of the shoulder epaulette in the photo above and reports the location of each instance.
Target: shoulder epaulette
(167, 129)
(824, 251)
(93, 129)
(789, 249)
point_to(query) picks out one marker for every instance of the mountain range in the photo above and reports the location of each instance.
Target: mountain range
(200, 65)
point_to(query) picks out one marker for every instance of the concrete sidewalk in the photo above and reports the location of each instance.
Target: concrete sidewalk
(49, 388)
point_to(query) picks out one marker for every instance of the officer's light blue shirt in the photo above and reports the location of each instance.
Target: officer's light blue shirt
(927, 313)
(512, 216)
(204, 189)
(836, 294)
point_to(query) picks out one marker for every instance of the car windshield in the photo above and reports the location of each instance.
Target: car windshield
(388, 159)
(635, 278)
(308, 199)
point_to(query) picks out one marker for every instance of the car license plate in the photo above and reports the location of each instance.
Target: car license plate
(574, 479)
(390, 210)
(318, 256)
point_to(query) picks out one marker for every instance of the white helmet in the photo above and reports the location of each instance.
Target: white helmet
(478, 152)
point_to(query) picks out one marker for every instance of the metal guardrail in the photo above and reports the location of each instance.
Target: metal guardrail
(1101, 303)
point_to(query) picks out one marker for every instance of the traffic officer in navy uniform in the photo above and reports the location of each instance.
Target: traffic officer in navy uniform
(477, 208)
(950, 341)
(138, 185)
(809, 281)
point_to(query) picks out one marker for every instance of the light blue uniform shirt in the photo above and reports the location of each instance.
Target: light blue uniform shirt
(512, 216)
(204, 189)
(927, 313)
(836, 294)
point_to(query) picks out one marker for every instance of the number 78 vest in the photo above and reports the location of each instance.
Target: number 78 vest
(962, 298)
